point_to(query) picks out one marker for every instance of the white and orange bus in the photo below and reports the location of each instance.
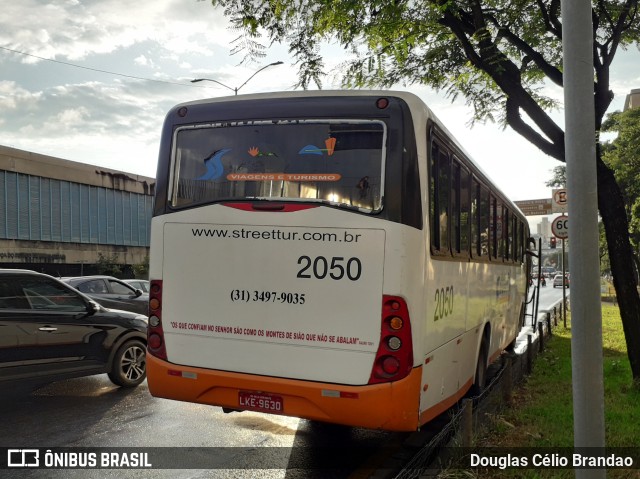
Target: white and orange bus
(329, 255)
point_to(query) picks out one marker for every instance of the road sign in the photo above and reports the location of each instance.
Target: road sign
(560, 227)
(559, 200)
(535, 207)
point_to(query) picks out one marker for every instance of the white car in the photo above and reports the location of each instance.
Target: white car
(557, 281)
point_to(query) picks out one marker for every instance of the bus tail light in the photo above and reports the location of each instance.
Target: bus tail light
(155, 334)
(394, 358)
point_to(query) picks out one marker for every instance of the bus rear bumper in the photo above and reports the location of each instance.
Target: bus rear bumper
(389, 406)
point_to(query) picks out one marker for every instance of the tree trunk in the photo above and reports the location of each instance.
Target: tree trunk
(614, 217)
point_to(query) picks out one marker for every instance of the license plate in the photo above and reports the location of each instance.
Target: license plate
(260, 401)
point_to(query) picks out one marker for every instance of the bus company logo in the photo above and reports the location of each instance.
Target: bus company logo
(23, 458)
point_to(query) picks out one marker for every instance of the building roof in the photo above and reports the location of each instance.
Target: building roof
(26, 162)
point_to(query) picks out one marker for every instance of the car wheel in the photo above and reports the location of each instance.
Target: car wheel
(129, 366)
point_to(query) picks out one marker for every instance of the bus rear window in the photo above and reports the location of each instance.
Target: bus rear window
(340, 162)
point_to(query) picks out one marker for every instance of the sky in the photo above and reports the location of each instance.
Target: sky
(114, 68)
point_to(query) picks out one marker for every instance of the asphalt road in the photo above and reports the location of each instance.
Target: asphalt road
(91, 412)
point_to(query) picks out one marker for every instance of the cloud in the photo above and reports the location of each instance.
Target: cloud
(74, 30)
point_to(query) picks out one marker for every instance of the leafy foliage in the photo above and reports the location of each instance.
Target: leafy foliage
(623, 156)
(499, 55)
(624, 152)
(108, 265)
(559, 178)
(141, 270)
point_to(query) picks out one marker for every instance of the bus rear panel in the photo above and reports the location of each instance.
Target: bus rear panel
(268, 256)
(334, 256)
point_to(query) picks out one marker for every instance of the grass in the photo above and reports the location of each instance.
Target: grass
(541, 415)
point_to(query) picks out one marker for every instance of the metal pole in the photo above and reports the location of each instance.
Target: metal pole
(537, 289)
(564, 287)
(580, 155)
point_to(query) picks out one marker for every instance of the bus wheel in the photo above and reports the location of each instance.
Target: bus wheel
(480, 381)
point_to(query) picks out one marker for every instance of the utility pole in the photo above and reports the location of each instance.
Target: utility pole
(580, 155)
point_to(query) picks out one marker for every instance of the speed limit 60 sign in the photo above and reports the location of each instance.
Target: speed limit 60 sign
(560, 227)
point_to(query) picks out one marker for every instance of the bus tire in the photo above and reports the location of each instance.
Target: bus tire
(129, 367)
(480, 378)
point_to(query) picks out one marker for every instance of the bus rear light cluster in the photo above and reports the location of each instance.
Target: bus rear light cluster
(155, 334)
(394, 358)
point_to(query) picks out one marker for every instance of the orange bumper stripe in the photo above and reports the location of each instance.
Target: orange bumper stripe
(390, 406)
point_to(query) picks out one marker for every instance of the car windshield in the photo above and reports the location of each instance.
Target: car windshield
(340, 162)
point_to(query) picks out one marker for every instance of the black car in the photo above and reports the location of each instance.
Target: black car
(50, 331)
(111, 292)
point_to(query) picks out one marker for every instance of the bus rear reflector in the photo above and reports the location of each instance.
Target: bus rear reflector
(390, 365)
(154, 341)
(155, 334)
(394, 358)
(182, 374)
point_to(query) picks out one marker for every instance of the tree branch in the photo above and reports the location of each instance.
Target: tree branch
(506, 75)
(552, 27)
(552, 72)
(616, 34)
(515, 121)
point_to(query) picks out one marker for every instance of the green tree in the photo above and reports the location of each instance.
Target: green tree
(108, 265)
(497, 54)
(559, 178)
(623, 156)
(141, 270)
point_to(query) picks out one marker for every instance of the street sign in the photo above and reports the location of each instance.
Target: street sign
(559, 200)
(535, 207)
(560, 227)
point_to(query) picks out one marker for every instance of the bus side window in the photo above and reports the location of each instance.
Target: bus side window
(513, 239)
(493, 227)
(503, 247)
(455, 207)
(444, 188)
(439, 196)
(484, 221)
(475, 218)
(464, 211)
(522, 237)
(433, 175)
(460, 209)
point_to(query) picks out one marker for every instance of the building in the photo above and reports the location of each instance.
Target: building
(544, 230)
(632, 100)
(59, 217)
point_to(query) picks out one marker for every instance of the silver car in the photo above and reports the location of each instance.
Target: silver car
(141, 284)
(557, 281)
(111, 293)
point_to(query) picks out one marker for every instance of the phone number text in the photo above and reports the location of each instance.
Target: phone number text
(246, 296)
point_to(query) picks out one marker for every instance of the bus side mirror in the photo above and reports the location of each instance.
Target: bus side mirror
(532, 247)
